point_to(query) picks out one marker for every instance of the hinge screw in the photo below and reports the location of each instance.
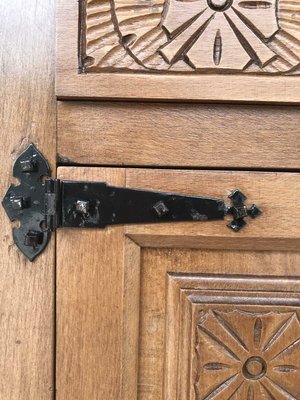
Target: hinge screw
(82, 207)
(33, 238)
(237, 224)
(28, 165)
(160, 208)
(254, 211)
(17, 203)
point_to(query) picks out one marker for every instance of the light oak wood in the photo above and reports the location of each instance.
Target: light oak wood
(276, 194)
(179, 135)
(27, 115)
(174, 53)
(89, 305)
(129, 302)
(186, 36)
(242, 342)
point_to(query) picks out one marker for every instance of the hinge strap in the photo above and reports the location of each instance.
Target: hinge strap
(42, 207)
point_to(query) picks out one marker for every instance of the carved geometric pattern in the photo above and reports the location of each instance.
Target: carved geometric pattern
(247, 355)
(192, 36)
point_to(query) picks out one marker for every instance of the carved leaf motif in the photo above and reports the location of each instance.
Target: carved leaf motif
(257, 332)
(216, 366)
(218, 47)
(286, 368)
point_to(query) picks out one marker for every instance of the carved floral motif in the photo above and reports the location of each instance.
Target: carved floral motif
(220, 33)
(248, 355)
(253, 36)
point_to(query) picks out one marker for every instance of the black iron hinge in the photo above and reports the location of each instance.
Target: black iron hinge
(43, 205)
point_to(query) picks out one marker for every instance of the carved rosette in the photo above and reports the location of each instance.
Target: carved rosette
(242, 354)
(232, 338)
(253, 36)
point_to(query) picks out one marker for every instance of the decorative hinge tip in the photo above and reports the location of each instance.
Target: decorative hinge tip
(239, 210)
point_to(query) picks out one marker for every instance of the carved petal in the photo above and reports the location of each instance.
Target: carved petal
(285, 341)
(218, 47)
(276, 391)
(179, 12)
(260, 13)
(210, 356)
(260, 51)
(230, 337)
(178, 46)
(224, 389)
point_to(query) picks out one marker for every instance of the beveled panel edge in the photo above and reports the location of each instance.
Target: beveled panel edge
(188, 291)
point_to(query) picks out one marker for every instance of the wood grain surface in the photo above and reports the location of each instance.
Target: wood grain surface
(230, 85)
(228, 335)
(275, 193)
(180, 135)
(162, 36)
(180, 289)
(112, 322)
(27, 115)
(90, 304)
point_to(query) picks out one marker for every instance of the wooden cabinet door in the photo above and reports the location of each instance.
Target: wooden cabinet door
(186, 311)
(213, 50)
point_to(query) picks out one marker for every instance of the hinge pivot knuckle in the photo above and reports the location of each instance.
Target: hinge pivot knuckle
(52, 208)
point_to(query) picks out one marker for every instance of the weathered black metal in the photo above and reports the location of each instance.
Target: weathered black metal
(25, 202)
(44, 207)
(240, 211)
(91, 205)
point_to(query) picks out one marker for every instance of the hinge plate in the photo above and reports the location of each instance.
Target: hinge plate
(42, 206)
(26, 202)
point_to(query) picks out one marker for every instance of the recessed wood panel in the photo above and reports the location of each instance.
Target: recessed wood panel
(179, 50)
(183, 292)
(231, 344)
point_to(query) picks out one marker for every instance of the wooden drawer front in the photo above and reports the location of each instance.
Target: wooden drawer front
(179, 135)
(179, 49)
(182, 311)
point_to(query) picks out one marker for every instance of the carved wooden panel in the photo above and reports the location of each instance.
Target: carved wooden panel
(191, 36)
(247, 354)
(233, 344)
